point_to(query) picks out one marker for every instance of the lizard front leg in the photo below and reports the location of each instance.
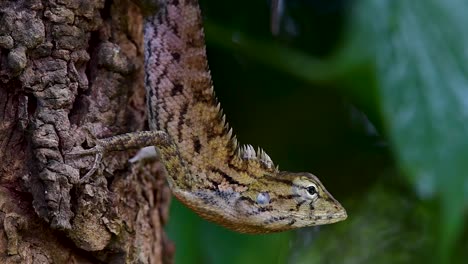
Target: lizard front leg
(122, 142)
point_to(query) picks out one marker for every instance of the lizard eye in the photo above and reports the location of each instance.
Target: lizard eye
(312, 191)
(263, 198)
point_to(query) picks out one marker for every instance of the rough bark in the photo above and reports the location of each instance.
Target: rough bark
(67, 66)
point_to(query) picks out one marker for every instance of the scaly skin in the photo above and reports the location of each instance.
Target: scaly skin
(207, 170)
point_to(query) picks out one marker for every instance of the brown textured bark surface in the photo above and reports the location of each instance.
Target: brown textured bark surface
(66, 67)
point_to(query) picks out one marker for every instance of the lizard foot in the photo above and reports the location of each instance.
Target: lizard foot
(98, 152)
(123, 142)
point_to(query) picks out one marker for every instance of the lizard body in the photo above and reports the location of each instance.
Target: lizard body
(207, 170)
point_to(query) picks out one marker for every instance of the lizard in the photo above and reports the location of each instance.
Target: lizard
(206, 168)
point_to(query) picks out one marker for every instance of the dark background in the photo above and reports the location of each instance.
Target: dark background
(369, 95)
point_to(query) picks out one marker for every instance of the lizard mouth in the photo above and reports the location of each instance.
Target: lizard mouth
(340, 216)
(330, 218)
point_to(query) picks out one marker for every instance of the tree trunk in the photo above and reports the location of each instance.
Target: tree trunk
(66, 67)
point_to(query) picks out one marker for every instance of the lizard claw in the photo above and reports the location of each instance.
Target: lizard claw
(97, 151)
(97, 161)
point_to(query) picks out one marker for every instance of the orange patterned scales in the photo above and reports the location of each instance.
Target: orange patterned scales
(207, 170)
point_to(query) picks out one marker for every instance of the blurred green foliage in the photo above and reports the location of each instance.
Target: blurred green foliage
(371, 96)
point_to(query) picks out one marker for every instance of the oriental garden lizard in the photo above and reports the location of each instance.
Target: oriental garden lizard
(207, 169)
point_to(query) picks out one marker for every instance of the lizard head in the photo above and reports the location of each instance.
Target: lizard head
(287, 201)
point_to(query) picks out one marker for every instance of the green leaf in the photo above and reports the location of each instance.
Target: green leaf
(420, 51)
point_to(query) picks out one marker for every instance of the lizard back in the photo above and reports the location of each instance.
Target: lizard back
(180, 94)
(181, 100)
